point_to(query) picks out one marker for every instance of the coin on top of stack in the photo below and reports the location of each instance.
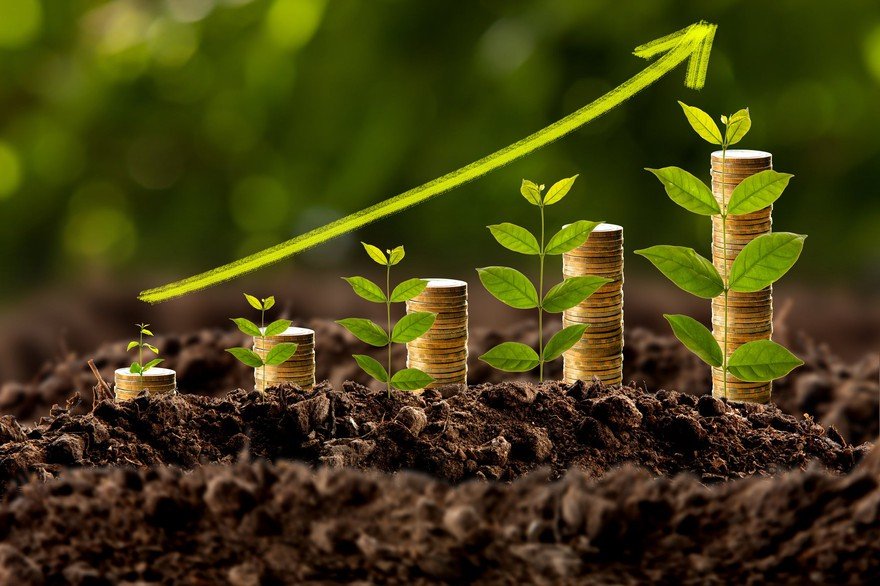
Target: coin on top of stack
(156, 381)
(298, 370)
(599, 353)
(749, 316)
(441, 352)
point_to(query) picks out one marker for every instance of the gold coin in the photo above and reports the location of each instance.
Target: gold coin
(438, 358)
(438, 305)
(420, 343)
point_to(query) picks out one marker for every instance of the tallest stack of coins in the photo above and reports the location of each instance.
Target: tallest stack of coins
(441, 352)
(599, 353)
(749, 315)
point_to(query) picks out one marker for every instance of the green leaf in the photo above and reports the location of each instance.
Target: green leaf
(410, 379)
(135, 368)
(687, 191)
(764, 260)
(511, 357)
(697, 338)
(372, 367)
(515, 238)
(269, 302)
(737, 126)
(131, 345)
(757, 192)
(559, 190)
(152, 363)
(247, 326)
(702, 123)
(248, 357)
(531, 192)
(151, 348)
(367, 289)
(408, 289)
(687, 269)
(761, 361)
(146, 332)
(396, 255)
(253, 301)
(276, 327)
(365, 331)
(411, 326)
(509, 286)
(563, 340)
(376, 254)
(280, 353)
(571, 291)
(570, 237)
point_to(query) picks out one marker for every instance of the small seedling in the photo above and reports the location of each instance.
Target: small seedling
(407, 329)
(279, 353)
(516, 290)
(139, 367)
(760, 263)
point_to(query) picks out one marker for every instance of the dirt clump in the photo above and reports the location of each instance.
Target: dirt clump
(264, 523)
(492, 432)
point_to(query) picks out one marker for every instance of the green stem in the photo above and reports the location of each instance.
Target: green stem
(388, 315)
(541, 305)
(263, 338)
(724, 261)
(141, 352)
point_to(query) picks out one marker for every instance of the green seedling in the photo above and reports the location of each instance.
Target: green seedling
(515, 289)
(138, 367)
(760, 263)
(279, 353)
(407, 329)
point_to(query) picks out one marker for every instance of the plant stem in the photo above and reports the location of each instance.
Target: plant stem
(263, 338)
(141, 352)
(724, 261)
(541, 305)
(388, 314)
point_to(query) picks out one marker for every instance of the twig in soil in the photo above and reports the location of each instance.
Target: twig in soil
(106, 392)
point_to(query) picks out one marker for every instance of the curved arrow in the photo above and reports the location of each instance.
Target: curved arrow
(692, 44)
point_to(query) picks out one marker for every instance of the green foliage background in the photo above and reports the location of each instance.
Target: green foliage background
(177, 135)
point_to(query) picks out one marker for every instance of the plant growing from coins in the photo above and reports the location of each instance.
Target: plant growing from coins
(279, 353)
(407, 329)
(760, 263)
(516, 290)
(138, 366)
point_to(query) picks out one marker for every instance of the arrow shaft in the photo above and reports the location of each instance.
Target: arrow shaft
(466, 174)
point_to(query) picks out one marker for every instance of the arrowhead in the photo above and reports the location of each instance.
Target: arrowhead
(693, 43)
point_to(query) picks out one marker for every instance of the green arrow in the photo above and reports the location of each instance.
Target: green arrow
(692, 44)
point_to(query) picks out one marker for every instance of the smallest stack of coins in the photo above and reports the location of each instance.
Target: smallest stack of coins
(441, 352)
(157, 381)
(298, 370)
(599, 353)
(749, 315)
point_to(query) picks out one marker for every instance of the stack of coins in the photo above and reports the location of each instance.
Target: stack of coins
(441, 352)
(599, 353)
(157, 381)
(749, 315)
(299, 369)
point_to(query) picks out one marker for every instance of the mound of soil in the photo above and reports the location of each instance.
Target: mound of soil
(495, 431)
(834, 393)
(262, 523)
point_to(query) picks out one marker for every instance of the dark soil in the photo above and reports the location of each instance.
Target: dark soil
(261, 523)
(833, 392)
(495, 431)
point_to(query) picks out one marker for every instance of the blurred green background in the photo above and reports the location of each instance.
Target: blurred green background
(168, 137)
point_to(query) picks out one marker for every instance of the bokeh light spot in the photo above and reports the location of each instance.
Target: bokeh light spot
(101, 233)
(10, 170)
(292, 23)
(872, 52)
(20, 22)
(506, 46)
(259, 204)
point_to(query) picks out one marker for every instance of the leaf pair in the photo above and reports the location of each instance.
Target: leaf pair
(515, 289)
(408, 379)
(394, 255)
(248, 327)
(135, 344)
(279, 354)
(410, 327)
(532, 191)
(518, 239)
(758, 361)
(370, 291)
(136, 367)
(260, 304)
(737, 125)
(517, 357)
